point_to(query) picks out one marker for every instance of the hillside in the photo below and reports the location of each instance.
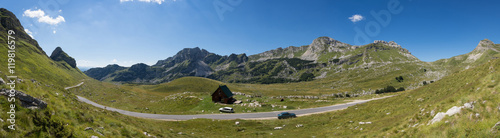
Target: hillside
(405, 115)
(484, 51)
(44, 79)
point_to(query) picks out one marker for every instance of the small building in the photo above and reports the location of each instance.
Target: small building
(223, 95)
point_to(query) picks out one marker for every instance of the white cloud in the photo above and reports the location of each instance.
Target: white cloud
(29, 33)
(153, 1)
(356, 18)
(54, 31)
(114, 61)
(40, 15)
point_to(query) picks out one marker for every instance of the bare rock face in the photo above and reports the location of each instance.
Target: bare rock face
(485, 45)
(324, 45)
(27, 101)
(390, 43)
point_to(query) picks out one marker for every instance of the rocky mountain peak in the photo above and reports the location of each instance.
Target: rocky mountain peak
(321, 42)
(322, 45)
(390, 43)
(192, 54)
(485, 45)
(59, 55)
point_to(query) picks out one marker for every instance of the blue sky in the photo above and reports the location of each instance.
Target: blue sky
(101, 32)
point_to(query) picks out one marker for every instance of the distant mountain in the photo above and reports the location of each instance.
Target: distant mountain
(187, 62)
(102, 73)
(275, 66)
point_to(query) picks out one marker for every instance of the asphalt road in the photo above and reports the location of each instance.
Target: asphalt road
(260, 115)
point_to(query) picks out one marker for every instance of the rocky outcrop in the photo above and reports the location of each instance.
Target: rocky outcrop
(485, 45)
(59, 55)
(27, 101)
(324, 45)
(390, 43)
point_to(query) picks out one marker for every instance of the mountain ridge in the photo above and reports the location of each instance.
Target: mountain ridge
(322, 52)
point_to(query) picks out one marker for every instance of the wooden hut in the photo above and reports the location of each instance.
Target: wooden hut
(223, 95)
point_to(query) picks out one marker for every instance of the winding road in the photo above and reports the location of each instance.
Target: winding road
(249, 116)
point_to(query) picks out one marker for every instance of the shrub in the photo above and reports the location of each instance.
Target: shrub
(306, 77)
(399, 79)
(389, 89)
(335, 60)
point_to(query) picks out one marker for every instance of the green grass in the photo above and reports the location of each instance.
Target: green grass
(188, 95)
(390, 117)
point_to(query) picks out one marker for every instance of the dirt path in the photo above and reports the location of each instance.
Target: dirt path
(78, 85)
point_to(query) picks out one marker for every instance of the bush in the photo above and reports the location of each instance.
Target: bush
(47, 124)
(335, 60)
(389, 89)
(306, 77)
(399, 79)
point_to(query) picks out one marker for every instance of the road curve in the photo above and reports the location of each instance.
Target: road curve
(250, 116)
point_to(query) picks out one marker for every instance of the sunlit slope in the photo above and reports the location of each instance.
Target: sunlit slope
(45, 79)
(409, 113)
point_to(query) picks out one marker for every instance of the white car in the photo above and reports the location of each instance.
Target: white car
(226, 109)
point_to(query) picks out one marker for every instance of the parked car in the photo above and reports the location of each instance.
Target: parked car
(284, 115)
(226, 110)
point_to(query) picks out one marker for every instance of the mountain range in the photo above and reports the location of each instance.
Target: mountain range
(317, 60)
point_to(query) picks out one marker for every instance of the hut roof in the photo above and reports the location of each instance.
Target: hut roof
(226, 90)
